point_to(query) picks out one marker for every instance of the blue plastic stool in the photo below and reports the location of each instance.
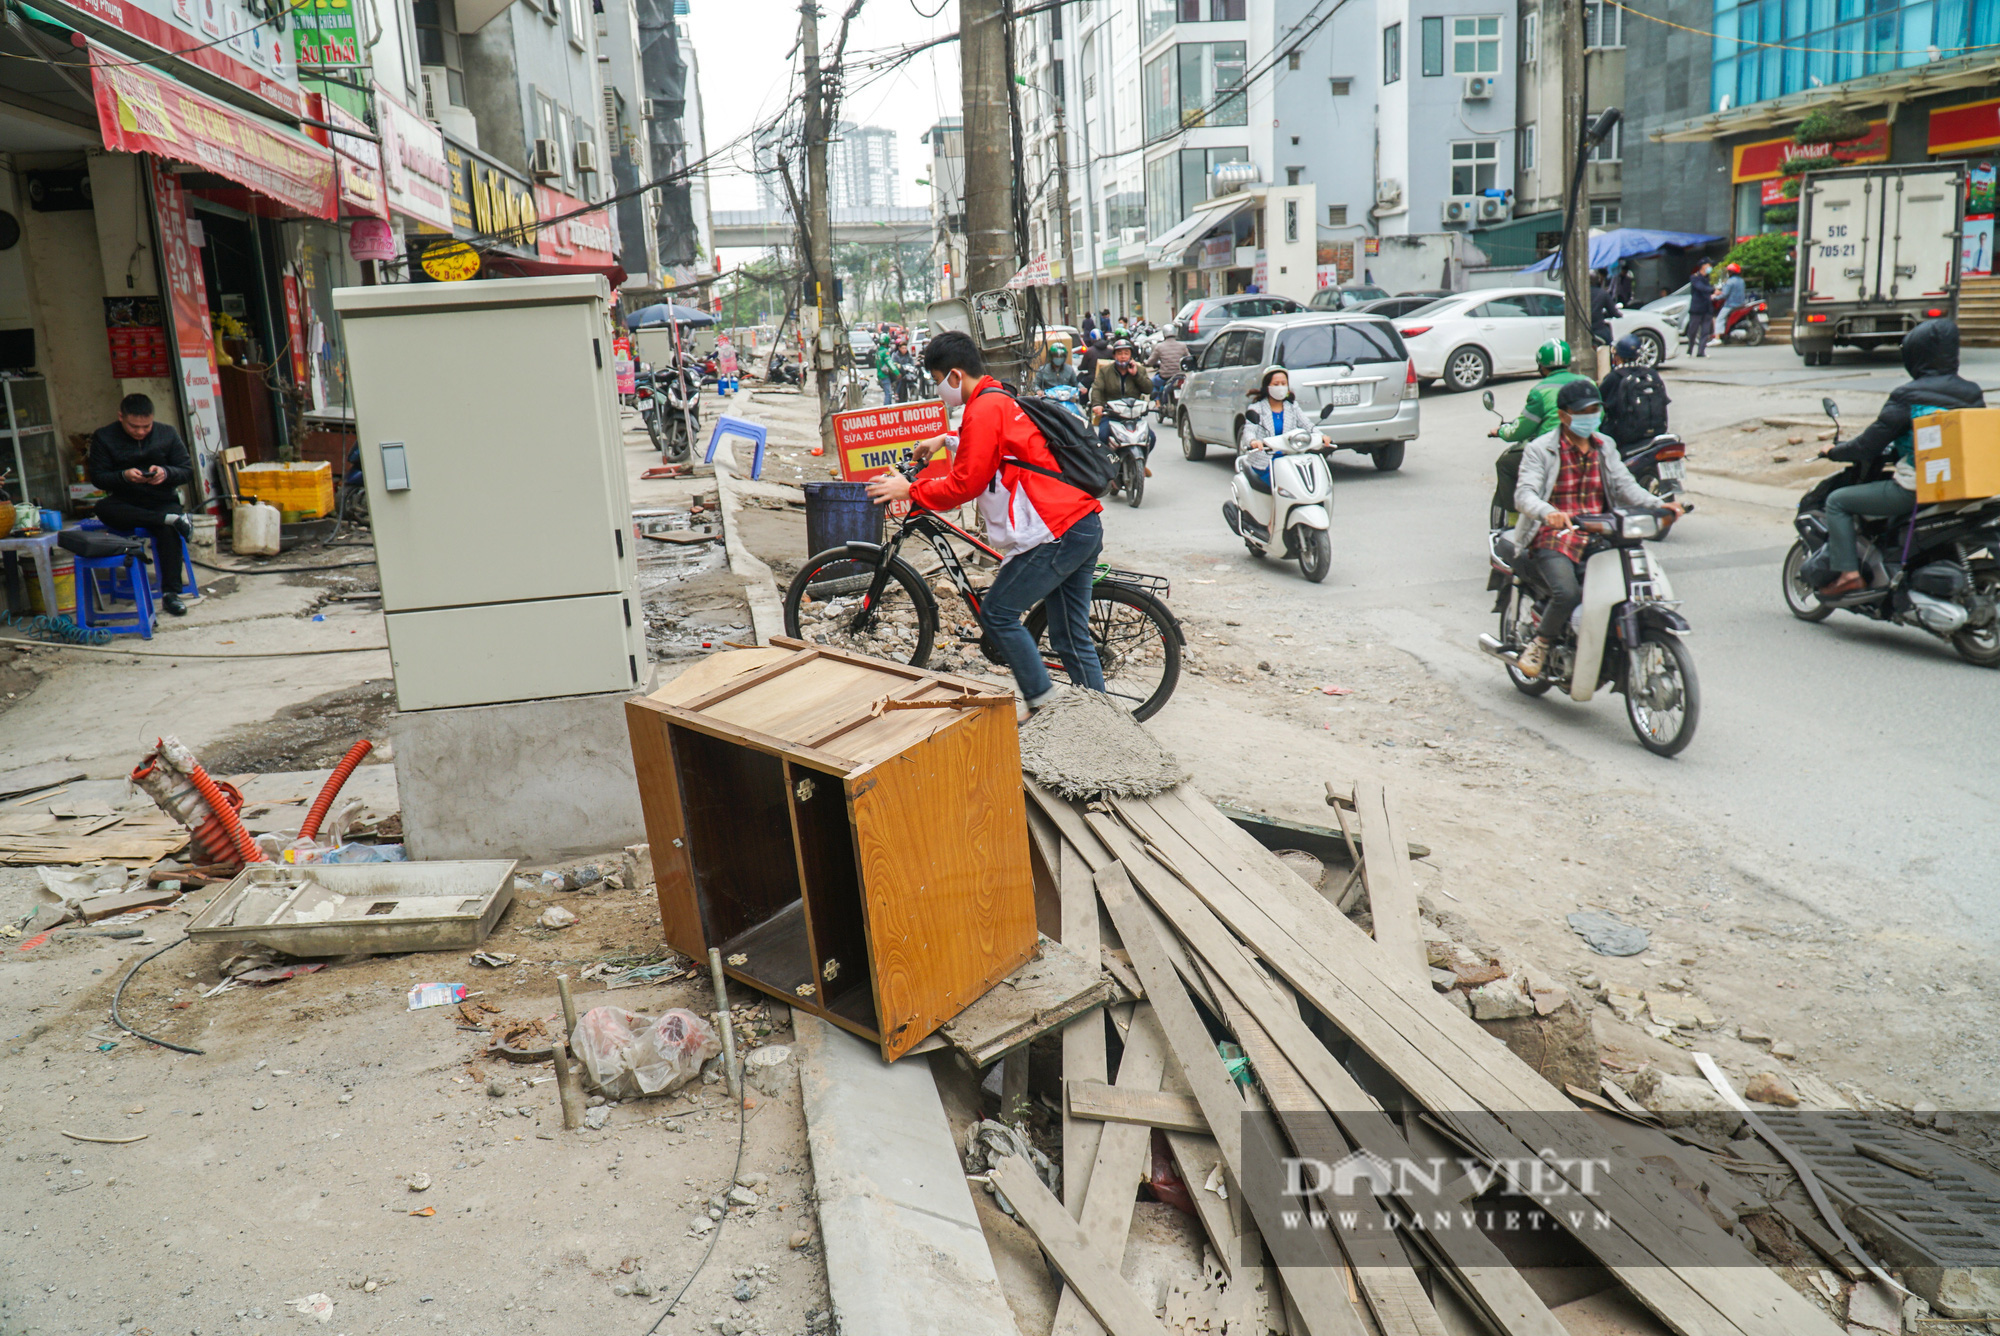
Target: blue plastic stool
(729, 426)
(189, 587)
(130, 572)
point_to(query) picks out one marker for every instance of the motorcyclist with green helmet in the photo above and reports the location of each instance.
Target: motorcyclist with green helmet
(1538, 415)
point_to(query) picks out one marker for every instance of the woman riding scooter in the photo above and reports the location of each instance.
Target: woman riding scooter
(1270, 414)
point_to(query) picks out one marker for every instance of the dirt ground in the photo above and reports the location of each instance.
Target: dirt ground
(278, 1163)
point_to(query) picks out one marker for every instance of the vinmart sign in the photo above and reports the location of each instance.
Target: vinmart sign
(1767, 157)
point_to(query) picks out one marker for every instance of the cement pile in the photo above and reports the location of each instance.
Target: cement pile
(1082, 744)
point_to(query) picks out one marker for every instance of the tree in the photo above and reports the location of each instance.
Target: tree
(1766, 260)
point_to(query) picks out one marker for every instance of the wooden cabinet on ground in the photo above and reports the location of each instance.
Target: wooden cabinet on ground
(867, 865)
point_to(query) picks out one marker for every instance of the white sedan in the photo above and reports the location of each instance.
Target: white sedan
(1468, 339)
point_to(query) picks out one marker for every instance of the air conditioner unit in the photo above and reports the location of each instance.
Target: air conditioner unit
(586, 155)
(1493, 209)
(1480, 87)
(611, 116)
(1461, 208)
(1388, 193)
(547, 159)
(646, 105)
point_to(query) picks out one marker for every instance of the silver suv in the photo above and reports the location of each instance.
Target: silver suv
(1356, 362)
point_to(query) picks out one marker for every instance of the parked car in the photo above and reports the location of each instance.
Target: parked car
(1468, 339)
(1673, 309)
(1347, 297)
(1069, 335)
(1201, 319)
(1402, 304)
(861, 344)
(1355, 362)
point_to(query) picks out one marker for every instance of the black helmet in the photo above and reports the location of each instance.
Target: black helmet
(1578, 396)
(1627, 349)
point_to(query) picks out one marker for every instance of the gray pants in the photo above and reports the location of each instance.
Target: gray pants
(1563, 579)
(1701, 328)
(1882, 500)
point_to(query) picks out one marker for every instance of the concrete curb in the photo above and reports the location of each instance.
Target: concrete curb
(1735, 489)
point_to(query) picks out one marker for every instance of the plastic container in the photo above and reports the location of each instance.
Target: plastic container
(304, 488)
(254, 530)
(839, 513)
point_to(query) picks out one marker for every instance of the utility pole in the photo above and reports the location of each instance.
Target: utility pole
(989, 159)
(820, 312)
(1062, 207)
(1576, 226)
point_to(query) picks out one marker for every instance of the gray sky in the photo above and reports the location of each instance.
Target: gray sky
(745, 78)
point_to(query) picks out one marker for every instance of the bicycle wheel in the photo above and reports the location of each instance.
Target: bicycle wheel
(827, 604)
(1138, 645)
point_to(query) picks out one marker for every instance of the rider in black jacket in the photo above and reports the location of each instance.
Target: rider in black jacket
(1930, 355)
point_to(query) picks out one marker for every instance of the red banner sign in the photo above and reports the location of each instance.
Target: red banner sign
(142, 111)
(276, 87)
(872, 441)
(357, 158)
(1966, 126)
(581, 238)
(187, 295)
(1766, 158)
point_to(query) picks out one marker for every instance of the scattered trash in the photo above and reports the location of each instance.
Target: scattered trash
(1335, 691)
(428, 1210)
(525, 1041)
(277, 973)
(419, 1182)
(988, 1142)
(315, 1306)
(555, 916)
(596, 1118)
(494, 959)
(1607, 935)
(627, 1055)
(436, 995)
(106, 1141)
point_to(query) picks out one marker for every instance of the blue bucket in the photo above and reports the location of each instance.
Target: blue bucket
(839, 513)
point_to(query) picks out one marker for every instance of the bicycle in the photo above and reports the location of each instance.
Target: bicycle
(865, 597)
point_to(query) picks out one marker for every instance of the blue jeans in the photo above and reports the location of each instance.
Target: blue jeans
(888, 385)
(1061, 573)
(1886, 499)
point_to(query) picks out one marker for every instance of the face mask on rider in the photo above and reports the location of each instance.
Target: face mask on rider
(1278, 392)
(952, 391)
(1585, 424)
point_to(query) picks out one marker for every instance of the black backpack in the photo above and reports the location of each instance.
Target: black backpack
(1642, 403)
(1081, 461)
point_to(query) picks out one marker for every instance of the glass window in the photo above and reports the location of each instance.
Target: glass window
(1544, 304)
(1392, 53)
(1475, 46)
(1503, 308)
(1475, 166)
(1225, 350)
(1155, 17)
(573, 12)
(1159, 99)
(1433, 48)
(1248, 352)
(1210, 11)
(1163, 194)
(1528, 147)
(1211, 79)
(1531, 32)
(1604, 24)
(1331, 344)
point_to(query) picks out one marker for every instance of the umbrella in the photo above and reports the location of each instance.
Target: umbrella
(667, 313)
(1628, 243)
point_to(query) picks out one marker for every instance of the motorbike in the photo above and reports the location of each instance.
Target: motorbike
(1170, 394)
(670, 404)
(1627, 631)
(1286, 498)
(1938, 570)
(1130, 439)
(908, 389)
(1070, 397)
(1747, 324)
(1658, 464)
(784, 371)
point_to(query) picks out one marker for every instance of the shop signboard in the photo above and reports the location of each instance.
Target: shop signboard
(136, 328)
(873, 441)
(416, 181)
(187, 296)
(1767, 157)
(490, 202)
(625, 367)
(1968, 125)
(260, 59)
(449, 261)
(357, 159)
(572, 232)
(1218, 253)
(295, 327)
(140, 110)
(326, 34)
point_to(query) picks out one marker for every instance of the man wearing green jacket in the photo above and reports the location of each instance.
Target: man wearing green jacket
(1538, 418)
(885, 368)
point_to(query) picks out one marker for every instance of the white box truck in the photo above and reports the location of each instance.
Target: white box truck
(1877, 254)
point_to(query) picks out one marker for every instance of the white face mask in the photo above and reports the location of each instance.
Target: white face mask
(952, 391)
(1279, 393)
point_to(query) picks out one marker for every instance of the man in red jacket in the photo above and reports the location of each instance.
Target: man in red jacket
(1049, 533)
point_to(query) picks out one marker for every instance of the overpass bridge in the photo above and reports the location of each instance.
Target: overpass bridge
(773, 227)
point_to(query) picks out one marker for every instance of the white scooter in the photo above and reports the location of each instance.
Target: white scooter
(1282, 495)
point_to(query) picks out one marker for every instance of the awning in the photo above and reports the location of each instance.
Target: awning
(140, 110)
(1176, 239)
(516, 266)
(1627, 243)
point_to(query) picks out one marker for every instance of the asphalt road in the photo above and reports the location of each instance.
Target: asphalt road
(1850, 764)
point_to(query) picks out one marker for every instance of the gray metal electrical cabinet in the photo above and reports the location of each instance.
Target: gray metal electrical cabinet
(487, 416)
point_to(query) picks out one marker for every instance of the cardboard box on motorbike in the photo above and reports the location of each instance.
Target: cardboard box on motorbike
(1957, 455)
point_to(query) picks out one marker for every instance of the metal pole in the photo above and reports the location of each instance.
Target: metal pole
(723, 1025)
(827, 343)
(1576, 226)
(1062, 207)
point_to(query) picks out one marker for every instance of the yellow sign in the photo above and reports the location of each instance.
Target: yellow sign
(451, 262)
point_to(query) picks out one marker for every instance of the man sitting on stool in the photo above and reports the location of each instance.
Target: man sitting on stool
(141, 465)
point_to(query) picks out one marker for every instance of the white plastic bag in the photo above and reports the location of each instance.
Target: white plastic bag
(627, 1055)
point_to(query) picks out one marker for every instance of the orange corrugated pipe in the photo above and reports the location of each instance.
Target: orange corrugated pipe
(324, 803)
(232, 825)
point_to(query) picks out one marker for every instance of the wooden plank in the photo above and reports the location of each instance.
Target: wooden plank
(950, 905)
(1807, 1226)
(856, 718)
(1087, 1272)
(744, 681)
(746, 737)
(1392, 893)
(1123, 1153)
(1323, 1306)
(1109, 1104)
(1196, 1156)
(1083, 1044)
(1456, 1070)
(1049, 991)
(1070, 822)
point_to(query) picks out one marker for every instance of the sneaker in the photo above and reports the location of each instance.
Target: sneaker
(1848, 582)
(183, 524)
(1149, 473)
(172, 603)
(1530, 662)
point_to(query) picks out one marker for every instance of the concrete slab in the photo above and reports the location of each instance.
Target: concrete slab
(538, 780)
(905, 1254)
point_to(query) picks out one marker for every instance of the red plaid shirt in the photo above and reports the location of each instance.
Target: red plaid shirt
(1579, 490)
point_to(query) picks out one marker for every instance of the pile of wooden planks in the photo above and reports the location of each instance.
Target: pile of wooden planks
(1347, 1049)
